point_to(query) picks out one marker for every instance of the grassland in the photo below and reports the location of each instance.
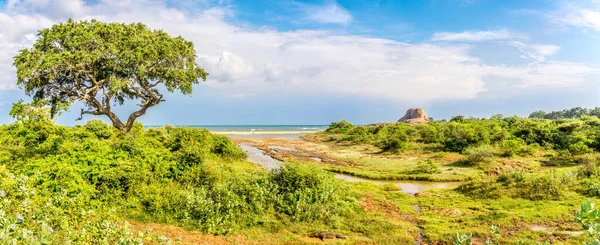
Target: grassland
(531, 196)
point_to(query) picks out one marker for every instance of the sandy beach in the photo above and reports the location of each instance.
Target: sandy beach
(264, 132)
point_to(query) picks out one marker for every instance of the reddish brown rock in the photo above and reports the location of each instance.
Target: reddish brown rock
(414, 116)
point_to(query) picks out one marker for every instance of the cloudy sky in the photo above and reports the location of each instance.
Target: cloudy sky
(313, 62)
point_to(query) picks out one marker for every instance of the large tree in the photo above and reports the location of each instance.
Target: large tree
(106, 64)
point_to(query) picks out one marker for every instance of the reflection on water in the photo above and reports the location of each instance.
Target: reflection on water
(257, 156)
(407, 186)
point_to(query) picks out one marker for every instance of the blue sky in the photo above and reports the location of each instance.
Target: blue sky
(313, 62)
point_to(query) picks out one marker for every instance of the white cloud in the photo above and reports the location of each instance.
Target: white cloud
(244, 61)
(227, 66)
(328, 13)
(571, 15)
(537, 52)
(476, 36)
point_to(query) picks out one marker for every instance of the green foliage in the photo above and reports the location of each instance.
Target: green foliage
(513, 147)
(576, 112)
(589, 169)
(462, 239)
(339, 127)
(495, 235)
(359, 135)
(106, 64)
(517, 184)
(306, 194)
(176, 175)
(589, 219)
(426, 167)
(512, 136)
(33, 215)
(481, 153)
(28, 113)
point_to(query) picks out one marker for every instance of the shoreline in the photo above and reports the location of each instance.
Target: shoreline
(263, 132)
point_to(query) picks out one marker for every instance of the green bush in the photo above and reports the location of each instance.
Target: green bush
(339, 127)
(512, 147)
(520, 185)
(98, 128)
(481, 153)
(31, 215)
(359, 135)
(175, 175)
(589, 169)
(513, 135)
(589, 219)
(426, 167)
(307, 194)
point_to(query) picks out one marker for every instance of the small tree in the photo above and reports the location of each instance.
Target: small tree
(106, 64)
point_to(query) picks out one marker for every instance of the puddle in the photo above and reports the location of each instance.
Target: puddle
(316, 159)
(407, 186)
(274, 147)
(257, 156)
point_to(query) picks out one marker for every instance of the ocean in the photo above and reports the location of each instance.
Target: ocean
(258, 129)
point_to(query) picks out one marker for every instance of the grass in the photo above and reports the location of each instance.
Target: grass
(525, 211)
(446, 212)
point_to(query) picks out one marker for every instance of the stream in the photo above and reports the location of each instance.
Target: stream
(257, 156)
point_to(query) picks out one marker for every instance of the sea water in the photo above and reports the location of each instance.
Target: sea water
(245, 131)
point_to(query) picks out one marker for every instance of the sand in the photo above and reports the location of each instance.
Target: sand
(264, 132)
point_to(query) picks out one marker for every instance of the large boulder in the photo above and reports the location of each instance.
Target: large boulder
(414, 116)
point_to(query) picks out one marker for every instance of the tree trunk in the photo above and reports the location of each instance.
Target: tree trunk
(116, 122)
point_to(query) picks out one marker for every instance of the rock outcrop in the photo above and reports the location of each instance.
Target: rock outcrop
(414, 116)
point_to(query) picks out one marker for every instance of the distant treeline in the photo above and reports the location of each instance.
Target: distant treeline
(576, 112)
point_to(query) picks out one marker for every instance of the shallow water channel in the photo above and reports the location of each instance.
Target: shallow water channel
(407, 186)
(257, 156)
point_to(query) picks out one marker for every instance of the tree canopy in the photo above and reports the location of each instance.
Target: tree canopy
(576, 112)
(106, 64)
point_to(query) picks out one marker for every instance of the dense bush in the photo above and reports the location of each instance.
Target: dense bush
(339, 127)
(33, 215)
(185, 176)
(518, 184)
(307, 194)
(481, 153)
(513, 136)
(426, 167)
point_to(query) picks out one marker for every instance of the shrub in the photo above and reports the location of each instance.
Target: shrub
(589, 219)
(579, 148)
(339, 127)
(99, 128)
(593, 189)
(589, 169)
(512, 147)
(183, 176)
(426, 167)
(481, 153)
(395, 143)
(545, 187)
(31, 215)
(359, 135)
(513, 177)
(306, 193)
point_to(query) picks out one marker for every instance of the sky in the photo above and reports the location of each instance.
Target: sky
(365, 61)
